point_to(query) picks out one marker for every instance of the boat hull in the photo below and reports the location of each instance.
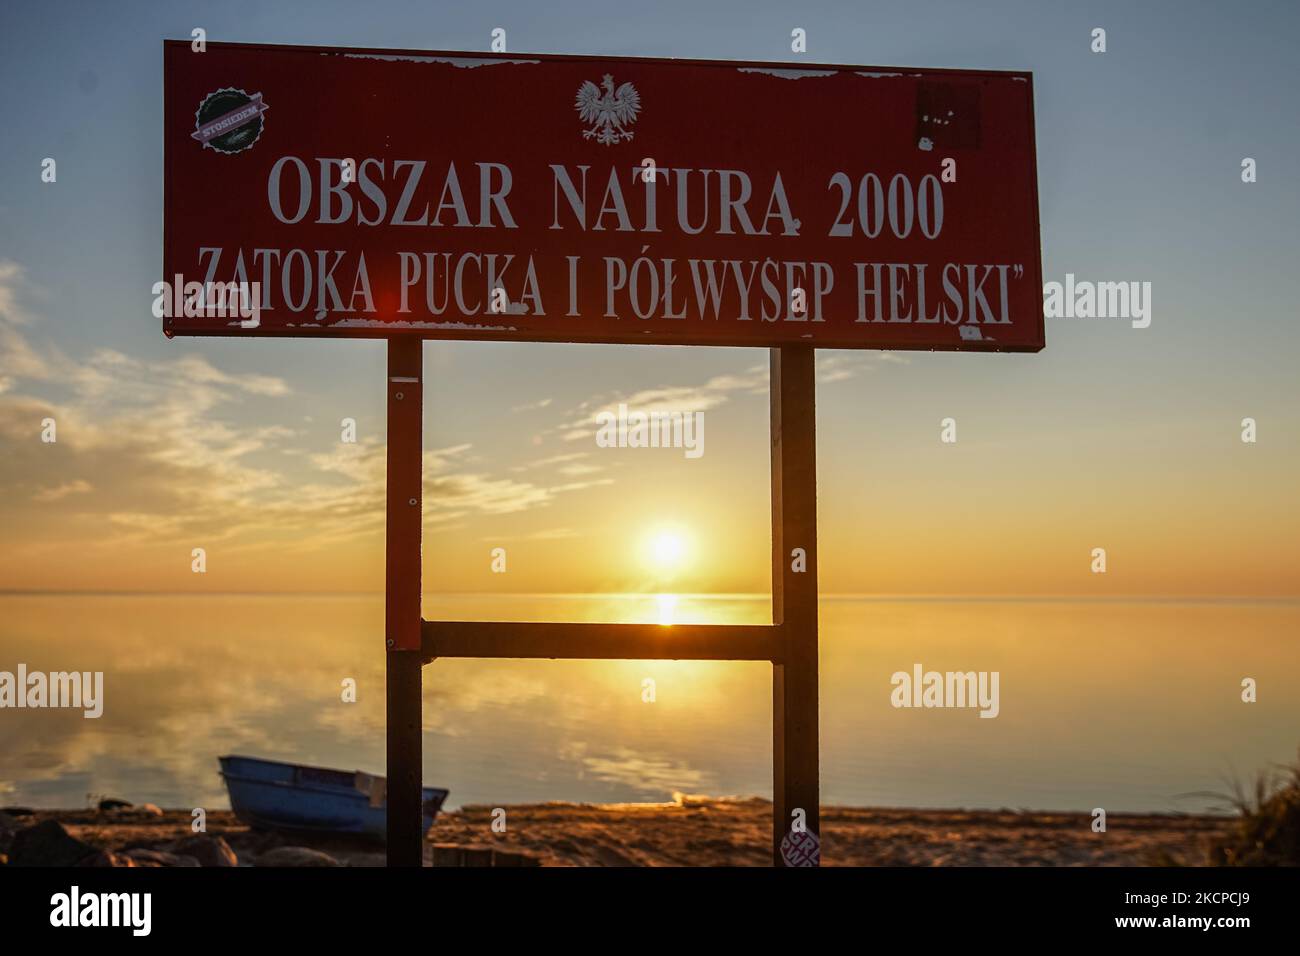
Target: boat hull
(268, 794)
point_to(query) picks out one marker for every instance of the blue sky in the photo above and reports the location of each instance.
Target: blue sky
(1139, 152)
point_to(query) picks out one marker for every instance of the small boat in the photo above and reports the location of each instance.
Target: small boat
(271, 795)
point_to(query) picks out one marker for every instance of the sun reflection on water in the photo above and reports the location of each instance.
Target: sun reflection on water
(667, 608)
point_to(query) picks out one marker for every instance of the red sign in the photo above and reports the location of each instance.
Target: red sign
(597, 199)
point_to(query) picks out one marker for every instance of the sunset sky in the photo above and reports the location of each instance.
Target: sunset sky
(1114, 437)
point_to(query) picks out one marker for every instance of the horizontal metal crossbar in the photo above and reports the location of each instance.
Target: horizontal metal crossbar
(693, 642)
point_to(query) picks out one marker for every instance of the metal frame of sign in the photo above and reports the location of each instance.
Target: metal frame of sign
(789, 642)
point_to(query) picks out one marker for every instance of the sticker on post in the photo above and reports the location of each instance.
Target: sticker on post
(801, 848)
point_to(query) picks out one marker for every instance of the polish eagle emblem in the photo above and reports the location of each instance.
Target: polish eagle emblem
(609, 111)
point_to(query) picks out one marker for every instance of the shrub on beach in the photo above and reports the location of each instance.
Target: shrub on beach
(1268, 831)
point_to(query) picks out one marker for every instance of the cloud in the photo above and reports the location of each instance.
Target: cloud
(172, 464)
(546, 534)
(572, 465)
(715, 391)
(712, 393)
(841, 366)
(179, 452)
(550, 461)
(17, 358)
(76, 487)
(533, 406)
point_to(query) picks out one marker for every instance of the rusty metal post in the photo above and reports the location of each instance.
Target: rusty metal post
(796, 831)
(402, 601)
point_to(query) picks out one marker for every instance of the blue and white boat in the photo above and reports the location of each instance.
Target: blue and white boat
(285, 796)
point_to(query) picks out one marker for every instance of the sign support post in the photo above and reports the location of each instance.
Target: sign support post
(402, 601)
(795, 760)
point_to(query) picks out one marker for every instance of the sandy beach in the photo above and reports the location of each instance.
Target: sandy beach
(691, 831)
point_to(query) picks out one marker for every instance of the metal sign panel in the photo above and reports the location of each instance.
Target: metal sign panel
(520, 197)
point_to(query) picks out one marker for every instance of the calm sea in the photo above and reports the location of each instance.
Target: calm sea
(1123, 705)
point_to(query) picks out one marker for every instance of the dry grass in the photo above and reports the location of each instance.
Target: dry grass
(1267, 829)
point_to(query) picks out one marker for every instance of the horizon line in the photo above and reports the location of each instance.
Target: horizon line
(715, 595)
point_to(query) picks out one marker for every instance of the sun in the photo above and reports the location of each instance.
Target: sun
(666, 550)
